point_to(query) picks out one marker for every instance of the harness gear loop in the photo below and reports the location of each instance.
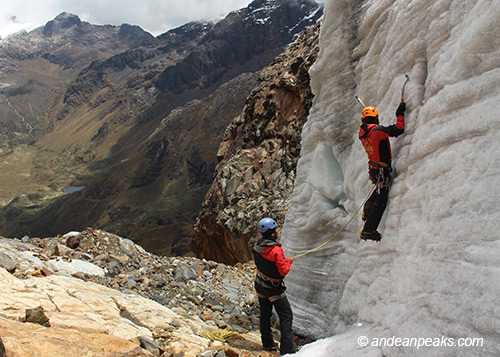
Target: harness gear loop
(345, 225)
(383, 178)
(267, 282)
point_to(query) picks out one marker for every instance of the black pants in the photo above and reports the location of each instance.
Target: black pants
(284, 311)
(375, 205)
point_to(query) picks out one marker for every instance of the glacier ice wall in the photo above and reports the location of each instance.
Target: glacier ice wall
(436, 271)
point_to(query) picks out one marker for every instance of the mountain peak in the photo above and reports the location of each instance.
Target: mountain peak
(62, 21)
(257, 4)
(64, 16)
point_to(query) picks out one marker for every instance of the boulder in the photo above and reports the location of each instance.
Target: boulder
(7, 263)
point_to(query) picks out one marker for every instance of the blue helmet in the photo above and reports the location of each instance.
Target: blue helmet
(266, 224)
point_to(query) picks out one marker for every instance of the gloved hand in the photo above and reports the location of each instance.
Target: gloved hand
(401, 109)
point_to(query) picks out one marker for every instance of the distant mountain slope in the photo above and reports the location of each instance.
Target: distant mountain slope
(36, 67)
(138, 128)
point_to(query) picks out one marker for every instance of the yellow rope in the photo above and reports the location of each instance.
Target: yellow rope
(345, 225)
(220, 335)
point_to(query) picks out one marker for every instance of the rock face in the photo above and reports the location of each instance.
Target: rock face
(258, 156)
(109, 296)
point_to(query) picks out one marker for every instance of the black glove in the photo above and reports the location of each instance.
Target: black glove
(401, 109)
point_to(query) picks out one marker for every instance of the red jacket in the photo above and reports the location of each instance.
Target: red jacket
(272, 266)
(375, 140)
(275, 254)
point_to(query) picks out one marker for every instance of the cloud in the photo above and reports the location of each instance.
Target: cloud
(154, 16)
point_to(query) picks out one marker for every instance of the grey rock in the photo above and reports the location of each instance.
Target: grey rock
(129, 248)
(86, 256)
(7, 263)
(131, 283)
(185, 273)
(62, 250)
(113, 268)
(150, 345)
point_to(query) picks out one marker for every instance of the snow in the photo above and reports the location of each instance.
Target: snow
(433, 281)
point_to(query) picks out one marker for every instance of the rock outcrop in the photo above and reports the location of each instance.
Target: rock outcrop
(22, 339)
(258, 156)
(109, 297)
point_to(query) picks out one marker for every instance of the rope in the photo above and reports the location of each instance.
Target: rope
(345, 225)
(220, 335)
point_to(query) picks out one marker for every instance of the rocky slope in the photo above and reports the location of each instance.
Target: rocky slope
(141, 128)
(94, 293)
(258, 156)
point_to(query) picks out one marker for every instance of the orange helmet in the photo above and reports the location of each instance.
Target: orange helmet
(370, 112)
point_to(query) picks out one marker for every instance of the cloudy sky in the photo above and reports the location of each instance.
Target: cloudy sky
(154, 16)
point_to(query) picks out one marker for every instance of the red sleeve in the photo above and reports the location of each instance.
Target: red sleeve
(283, 264)
(400, 123)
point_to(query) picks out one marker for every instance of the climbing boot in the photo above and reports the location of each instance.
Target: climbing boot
(273, 347)
(370, 236)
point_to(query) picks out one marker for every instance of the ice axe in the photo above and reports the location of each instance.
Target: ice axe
(403, 89)
(360, 101)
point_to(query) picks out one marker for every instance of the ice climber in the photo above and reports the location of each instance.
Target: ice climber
(272, 267)
(375, 140)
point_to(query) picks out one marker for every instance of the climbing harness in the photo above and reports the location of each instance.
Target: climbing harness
(267, 282)
(383, 177)
(345, 225)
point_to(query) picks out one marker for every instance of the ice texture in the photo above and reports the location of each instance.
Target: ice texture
(436, 272)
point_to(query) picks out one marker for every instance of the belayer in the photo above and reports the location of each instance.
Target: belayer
(375, 140)
(272, 266)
